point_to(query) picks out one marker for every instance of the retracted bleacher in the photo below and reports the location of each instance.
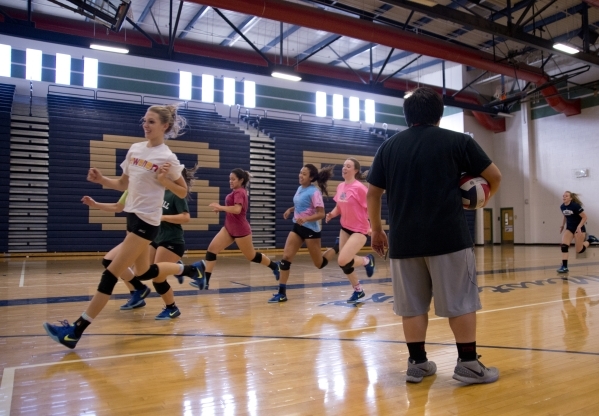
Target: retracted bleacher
(299, 143)
(87, 132)
(7, 93)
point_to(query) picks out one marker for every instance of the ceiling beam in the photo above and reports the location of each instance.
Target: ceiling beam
(276, 41)
(200, 13)
(354, 53)
(145, 11)
(240, 33)
(316, 48)
(486, 26)
(243, 27)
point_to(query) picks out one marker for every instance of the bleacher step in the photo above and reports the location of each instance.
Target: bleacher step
(30, 126)
(39, 120)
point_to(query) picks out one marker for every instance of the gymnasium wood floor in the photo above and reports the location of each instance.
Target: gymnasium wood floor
(232, 353)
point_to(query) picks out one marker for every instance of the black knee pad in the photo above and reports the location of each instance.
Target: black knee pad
(324, 263)
(285, 265)
(210, 256)
(107, 283)
(257, 258)
(565, 248)
(106, 263)
(162, 287)
(583, 250)
(150, 274)
(348, 268)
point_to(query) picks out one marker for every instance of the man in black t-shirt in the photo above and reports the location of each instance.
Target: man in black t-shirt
(420, 169)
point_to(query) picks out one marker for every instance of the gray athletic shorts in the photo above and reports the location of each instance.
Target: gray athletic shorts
(451, 277)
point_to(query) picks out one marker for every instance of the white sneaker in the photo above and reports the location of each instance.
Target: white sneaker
(474, 372)
(416, 372)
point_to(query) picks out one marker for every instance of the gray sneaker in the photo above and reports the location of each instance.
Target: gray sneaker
(474, 372)
(416, 372)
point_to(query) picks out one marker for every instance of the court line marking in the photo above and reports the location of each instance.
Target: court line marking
(8, 375)
(22, 281)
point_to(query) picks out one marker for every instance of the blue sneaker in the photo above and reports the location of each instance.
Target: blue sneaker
(563, 270)
(167, 314)
(64, 333)
(592, 239)
(355, 296)
(139, 296)
(278, 298)
(179, 277)
(198, 276)
(130, 305)
(193, 283)
(370, 266)
(277, 271)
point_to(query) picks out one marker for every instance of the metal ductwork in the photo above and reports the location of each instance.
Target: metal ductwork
(368, 31)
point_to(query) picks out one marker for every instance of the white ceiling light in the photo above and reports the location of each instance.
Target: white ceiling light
(565, 48)
(108, 48)
(284, 72)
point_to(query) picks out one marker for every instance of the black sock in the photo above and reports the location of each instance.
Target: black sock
(273, 265)
(207, 275)
(336, 248)
(137, 284)
(171, 306)
(80, 326)
(564, 263)
(417, 352)
(131, 292)
(282, 289)
(467, 351)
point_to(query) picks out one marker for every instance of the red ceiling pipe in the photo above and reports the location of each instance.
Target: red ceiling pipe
(87, 30)
(560, 104)
(317, 19)
(592, 2)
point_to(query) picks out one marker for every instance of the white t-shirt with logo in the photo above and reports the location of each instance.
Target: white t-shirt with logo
(145, 192)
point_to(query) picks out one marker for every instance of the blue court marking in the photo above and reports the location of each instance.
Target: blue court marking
(244, 289)
(247, 289)
(312, 338)
(536, 268)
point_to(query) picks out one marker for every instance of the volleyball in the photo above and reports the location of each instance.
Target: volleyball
(475, 191)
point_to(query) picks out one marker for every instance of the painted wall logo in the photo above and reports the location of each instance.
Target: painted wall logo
(102, 155)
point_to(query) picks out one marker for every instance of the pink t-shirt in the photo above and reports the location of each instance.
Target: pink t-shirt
(237, 225)
(351, 202)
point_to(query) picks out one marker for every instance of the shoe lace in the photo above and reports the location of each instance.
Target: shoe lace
(479, 363)
(65, 323)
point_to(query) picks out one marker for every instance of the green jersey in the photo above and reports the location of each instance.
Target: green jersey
(169, 232)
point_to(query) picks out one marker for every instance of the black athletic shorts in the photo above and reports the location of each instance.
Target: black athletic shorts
(350, 232)
(572, 228)
(304, 232)
(178, 249)
(141, 228)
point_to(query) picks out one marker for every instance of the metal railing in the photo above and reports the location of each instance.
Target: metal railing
(109, 95)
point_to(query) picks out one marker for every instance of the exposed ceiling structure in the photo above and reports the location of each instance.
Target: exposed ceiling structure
(385, 47)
